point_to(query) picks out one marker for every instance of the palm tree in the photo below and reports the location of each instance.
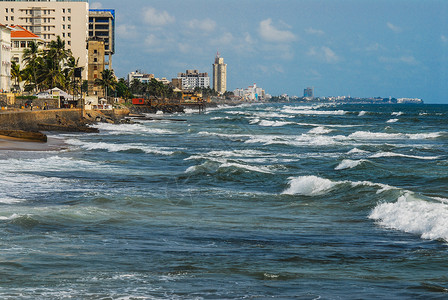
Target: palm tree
(31, 57)
(16, 75)
(107, 81)
(58, 55)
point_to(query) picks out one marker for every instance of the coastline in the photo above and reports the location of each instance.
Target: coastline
(15, 144)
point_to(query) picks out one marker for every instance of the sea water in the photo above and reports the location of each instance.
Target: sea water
(283, 201)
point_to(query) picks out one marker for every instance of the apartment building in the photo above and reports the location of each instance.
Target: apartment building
(5, 58)
(192, 79)
(96, 51)
(49, 19)
(102, 26)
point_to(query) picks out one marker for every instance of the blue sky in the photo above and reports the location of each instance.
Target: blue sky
(361, 48)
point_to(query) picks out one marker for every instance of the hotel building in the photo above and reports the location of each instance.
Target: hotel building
(5, 58)
(49, 19)
(191, 79)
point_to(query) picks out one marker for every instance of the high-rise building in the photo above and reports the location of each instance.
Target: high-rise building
(308, 92)
(49, 19)
(192, 79)
(102, 26)
(219, 75)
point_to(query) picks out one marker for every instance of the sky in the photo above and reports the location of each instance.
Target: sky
(358, 48)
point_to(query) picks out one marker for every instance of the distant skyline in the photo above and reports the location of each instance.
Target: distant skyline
(361, 48)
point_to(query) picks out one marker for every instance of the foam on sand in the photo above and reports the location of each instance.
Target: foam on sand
(414, 215)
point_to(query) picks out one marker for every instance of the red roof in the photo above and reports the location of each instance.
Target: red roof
(20, 32)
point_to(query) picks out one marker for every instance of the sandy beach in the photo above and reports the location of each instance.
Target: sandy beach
(8, 143)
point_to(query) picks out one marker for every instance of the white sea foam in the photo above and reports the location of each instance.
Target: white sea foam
(314, 112)
(361, 113)
(276, 123)
(120, 147)
(260, 169)
(357, 151)
(309, 186)
(414, 215)
(349, 164)
(320, 130)
(367, 135)
(397, 113)
(116, 129)
(392, 121)
(314, 185)
(392, 154)
(10, 200)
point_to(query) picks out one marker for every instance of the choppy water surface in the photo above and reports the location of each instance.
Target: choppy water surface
(305, 201)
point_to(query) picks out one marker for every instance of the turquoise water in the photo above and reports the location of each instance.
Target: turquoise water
(303, 201)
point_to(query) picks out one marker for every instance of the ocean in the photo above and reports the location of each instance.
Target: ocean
(267, 201)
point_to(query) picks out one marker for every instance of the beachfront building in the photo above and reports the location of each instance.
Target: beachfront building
(20, 40)
(191, 79)
(142, 77)
(251, 93)
(102, 25)
(219, 75)
(49, 19)
(96, 53)
(5, 58)
(308, 93)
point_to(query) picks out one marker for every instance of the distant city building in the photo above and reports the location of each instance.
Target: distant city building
(49, 19)
(252, 93)
(409, 100)
(20, 40)
(191, 79)
(5, 57)
(308, 92)
(144, 78)
(102, 25)
(219, 75)
(96, 52)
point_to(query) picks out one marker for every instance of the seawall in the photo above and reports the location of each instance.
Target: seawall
(29, 120)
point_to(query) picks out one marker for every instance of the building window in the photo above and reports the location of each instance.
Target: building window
(63, 10)
(16, 44)
(63, 26)
(6, 10)
(69, 19)
(69, 10)
(29, 44)
(16, 59)
(63, 19)
(69, 34)
(95, 51)
(95, 59)
(12, 18)
(69, 26)
(12, 10)
(95, 76)
(63, 34)
(95, 68)
(22, 44)
(69, 42)
(6, 18)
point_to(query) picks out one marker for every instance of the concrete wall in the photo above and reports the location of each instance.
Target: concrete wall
(28, 120)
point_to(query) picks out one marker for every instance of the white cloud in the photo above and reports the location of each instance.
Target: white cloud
(154, 43)
(126, 31)
(96, 5)
(404, 59)
(374, 47)
(314, 31)
(394, 28)
(207, 25)
(444, 38)
(224, 40)
(157, 18)
(271, 34)
(324, 54)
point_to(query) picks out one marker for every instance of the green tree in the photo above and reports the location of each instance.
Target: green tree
(107, 81)
(16, 75)
(31, 57)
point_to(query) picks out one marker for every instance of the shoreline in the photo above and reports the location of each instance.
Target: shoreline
(15, 144)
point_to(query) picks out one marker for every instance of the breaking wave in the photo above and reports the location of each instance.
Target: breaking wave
(414, 215)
